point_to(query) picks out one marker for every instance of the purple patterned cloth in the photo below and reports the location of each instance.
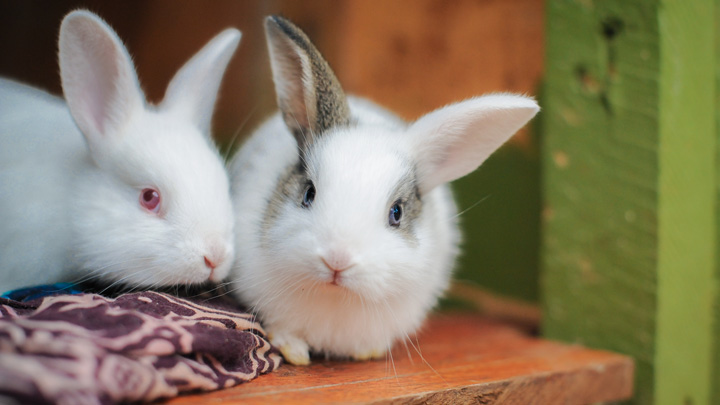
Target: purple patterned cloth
(89, 349)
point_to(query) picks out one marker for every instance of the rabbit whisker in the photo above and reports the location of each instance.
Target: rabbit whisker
(235, 136)
(478, 202)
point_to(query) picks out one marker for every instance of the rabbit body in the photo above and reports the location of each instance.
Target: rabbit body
(34, 193)
(102, 185)
(346, 230)
(394, 279)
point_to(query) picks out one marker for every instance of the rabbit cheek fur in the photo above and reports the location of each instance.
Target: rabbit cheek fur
(321, 257)
(71, 190)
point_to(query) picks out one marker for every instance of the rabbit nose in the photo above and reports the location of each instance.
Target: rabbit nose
(214, 257)
(337, 261)
(210, 264)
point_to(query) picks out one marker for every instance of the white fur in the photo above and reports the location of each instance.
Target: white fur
(393, 282)
(71, 175)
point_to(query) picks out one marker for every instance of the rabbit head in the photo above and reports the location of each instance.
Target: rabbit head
(156, 209)
(354, 210)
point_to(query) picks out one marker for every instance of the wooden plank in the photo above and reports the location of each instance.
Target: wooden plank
(465, 359)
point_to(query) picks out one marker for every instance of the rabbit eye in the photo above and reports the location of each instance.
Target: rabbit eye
(395, 214)
(309, 195)
(150, 200)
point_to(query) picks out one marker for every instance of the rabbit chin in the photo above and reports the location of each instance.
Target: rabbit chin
(334, 321)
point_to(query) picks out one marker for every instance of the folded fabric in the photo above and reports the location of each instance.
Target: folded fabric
(90, 349)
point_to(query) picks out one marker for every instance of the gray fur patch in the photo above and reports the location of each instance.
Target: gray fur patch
(407, 193)
(288, 190)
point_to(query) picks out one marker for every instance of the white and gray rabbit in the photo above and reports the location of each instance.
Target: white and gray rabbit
(103, 185)
(346, 230)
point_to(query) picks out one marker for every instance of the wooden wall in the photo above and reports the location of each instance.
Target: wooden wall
(410, 55)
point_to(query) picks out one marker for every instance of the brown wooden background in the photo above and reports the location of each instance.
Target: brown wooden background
(409, 55)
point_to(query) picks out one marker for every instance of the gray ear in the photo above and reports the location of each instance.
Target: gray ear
(308, 93)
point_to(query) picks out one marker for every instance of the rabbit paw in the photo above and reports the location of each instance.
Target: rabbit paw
(373, 354)
(294, 350)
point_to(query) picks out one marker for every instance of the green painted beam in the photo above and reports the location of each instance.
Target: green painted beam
(686, 239)
(716, 349)
(629, 183)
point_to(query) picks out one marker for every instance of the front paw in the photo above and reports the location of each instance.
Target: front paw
(374, 354)
(294, 350)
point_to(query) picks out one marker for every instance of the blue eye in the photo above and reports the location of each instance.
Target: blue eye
(395, 214)
(309, 195)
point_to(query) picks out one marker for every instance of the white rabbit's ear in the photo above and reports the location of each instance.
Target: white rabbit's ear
(453, 141)
(98, 77)
(309, 95)
(193, 90)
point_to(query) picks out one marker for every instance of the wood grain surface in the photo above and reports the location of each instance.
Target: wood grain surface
(465, 359)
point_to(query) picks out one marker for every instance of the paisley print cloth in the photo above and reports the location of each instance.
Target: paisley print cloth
(90, 349)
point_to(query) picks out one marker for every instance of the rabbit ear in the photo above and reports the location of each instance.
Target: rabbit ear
(98, 77)
(193, 90)
(309, 95)
(454, 140)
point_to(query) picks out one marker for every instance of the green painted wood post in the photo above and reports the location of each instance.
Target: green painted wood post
(630, 183)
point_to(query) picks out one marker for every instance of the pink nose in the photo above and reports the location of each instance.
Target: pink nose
(333, 267)
(214, 260)
(337, 260)
(215, 255)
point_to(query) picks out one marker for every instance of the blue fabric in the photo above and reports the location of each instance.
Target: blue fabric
(40, 291)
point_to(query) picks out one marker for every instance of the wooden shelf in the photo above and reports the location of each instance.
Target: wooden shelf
(467, 359)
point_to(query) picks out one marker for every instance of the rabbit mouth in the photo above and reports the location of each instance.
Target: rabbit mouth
(334, 279)
(336, 271)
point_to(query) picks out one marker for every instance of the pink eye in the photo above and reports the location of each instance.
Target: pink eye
(150, 199)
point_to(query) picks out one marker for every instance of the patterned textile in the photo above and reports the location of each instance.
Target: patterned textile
(89, 349)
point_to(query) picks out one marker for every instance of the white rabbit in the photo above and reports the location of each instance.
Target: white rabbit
(346, 231)
(107, 186)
